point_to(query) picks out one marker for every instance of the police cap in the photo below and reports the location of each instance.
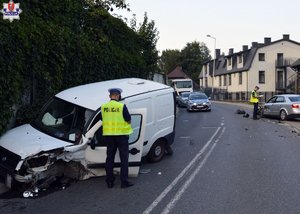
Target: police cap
(115, 91)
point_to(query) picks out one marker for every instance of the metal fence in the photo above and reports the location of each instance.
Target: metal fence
(240, 96)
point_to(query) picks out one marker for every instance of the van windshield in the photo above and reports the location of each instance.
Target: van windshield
(63, 120)
(183, 84)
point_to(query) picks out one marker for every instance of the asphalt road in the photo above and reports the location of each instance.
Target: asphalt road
(222, 163)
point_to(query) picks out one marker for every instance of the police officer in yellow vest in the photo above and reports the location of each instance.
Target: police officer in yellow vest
(116, 130)
(255, 100)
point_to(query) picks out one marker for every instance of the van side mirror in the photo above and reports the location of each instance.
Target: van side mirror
(209, 98)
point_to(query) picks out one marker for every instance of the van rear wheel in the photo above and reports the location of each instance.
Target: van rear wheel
(157, 151)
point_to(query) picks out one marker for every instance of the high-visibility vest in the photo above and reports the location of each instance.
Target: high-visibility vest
(254, 99)
(113, 122)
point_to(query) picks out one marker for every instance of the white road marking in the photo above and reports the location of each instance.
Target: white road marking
(177, 179)
(172, 203)
(186, 184)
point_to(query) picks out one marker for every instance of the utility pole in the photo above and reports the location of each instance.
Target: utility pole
(214, 65)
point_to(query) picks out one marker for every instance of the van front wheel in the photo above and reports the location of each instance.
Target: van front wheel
(157, 151)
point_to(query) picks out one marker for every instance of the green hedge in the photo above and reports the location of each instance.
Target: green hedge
(59, 44)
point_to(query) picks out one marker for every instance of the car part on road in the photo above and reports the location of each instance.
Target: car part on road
(239, 111)
(144, 171)
(246, 115)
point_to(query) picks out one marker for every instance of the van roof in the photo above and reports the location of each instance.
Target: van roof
(93, 95)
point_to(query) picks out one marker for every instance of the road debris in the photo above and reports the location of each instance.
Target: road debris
(145, 171)
(239, 111)
(246, 115)
(294, 131)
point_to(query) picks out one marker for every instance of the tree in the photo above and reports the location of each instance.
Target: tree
(169, 60)
(192, 57)
(110, 4)
(59, 44)
(149, 36)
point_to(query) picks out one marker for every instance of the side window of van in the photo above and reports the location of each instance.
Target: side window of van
(136, 122)
(98, 134)
(95, 120)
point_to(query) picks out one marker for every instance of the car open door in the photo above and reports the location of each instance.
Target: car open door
(95, 159)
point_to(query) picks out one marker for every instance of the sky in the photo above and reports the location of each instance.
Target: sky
(233, 23)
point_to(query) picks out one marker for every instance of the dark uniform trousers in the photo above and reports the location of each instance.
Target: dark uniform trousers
(255, 110)
(113, 143)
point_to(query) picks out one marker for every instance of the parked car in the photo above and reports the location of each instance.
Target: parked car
(183, 99)
(284, 106)
(198, 102)
(57, 143)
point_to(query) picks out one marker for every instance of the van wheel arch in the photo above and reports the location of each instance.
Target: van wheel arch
(157, 150)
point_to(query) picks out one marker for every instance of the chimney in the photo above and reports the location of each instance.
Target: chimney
(267, 40)
(230, 51)
(218, 51)
(254, 44)
(286, 36)
(245, 47)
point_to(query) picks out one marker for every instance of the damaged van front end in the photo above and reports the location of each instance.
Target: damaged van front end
(34, 159)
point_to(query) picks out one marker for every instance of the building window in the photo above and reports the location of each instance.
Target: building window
(218, 64)
(240, 78)
(229, 61)
(206, 82)
(229, 79)
(240, 58)
(280, 61)
(261, 57)
(261, 77)
(220, 80)
(243, 96)
(225, 80)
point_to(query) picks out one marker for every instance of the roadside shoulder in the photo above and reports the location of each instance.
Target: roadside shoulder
(295, 124)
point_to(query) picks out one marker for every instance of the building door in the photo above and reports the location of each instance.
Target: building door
(280, 79)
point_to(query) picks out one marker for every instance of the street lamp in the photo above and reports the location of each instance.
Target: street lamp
(214, 64)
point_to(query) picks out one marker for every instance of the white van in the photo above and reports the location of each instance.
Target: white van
(57, 143)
